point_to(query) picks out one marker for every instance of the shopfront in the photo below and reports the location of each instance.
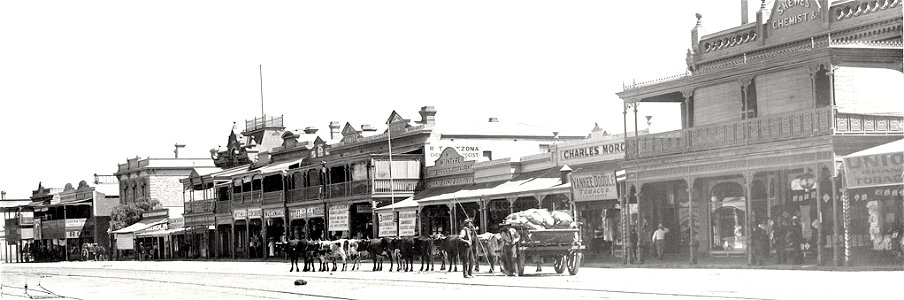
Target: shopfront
(874, 221)
(338, 220)
(240, 232)
(298, 223)
(598, 211)
(276, 229)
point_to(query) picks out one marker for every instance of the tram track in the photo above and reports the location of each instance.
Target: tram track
(407, 281)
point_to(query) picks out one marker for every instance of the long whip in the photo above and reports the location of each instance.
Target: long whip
(479, 244)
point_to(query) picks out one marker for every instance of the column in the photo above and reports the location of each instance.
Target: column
(846, 216)
(836, 224)
(692, 238)
(265, 244)
(511, 202)
(232, 239)
(482, 207)
(748, 182)
(247, 241)
(65, 239)
(452, 220)
(819, 245)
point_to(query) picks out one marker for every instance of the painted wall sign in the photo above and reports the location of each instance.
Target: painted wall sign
(590, 152)
(450, 162)
(364, 209)
(464, 180)
(435, 150)
(155, 213)
(387, 225)
(72, 224)
(315, 212)
(53, 229)
(338, 217)
(874, 170)
(407, 222)
(791, 19)
(594, 186)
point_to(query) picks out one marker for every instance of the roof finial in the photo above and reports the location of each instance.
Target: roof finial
(699, 16)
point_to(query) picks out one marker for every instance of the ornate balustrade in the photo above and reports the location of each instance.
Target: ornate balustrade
(274, 197)
(398, 185)
(224, 207)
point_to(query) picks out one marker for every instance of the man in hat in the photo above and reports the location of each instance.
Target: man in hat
(510, 240)
(467, 236)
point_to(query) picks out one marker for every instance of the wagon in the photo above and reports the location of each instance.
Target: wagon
(561, 246)
(93, 250)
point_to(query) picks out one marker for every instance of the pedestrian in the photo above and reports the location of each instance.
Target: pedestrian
(467, 236)
(659, 240)
(795, 239)
(510, 240)
(633, 249)
(760, 242)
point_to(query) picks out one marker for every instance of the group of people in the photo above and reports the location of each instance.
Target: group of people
(784, 235)
(640, 243)
(468, 235)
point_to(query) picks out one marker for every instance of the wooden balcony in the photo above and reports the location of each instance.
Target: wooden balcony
(224, 207)
(200, 206)
(382, 186)
(276, 197)
(797, 125)
(303, 194)
(345, 189)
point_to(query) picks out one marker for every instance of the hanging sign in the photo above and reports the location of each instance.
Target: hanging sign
(298, 213)
(338, 217)
(254, 213)
(275, 213)
(387, 225)
(594, 186)
(407, 222)
(315, 212)
(239, 214)
(884, 169)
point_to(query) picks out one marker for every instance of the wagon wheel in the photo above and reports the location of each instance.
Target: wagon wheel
(574, 263)
(559, 264)
(84, 255)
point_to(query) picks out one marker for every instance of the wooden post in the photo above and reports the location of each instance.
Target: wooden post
(232, 239)
(690, 222)
(836, 224)
(747, 184)
(247, 241)
(65, 238)
(265, 244)
(819, 244)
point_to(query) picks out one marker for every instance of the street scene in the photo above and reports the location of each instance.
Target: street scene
(519, 149)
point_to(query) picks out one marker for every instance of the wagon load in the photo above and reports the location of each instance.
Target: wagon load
(538, 219)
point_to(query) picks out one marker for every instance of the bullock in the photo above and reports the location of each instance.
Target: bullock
(448, 248)
(296, 248)
(338, 249)
(322, 250)
(490, 248)
(377, 249)
(424, 250)
(353, 251)
(407, 252)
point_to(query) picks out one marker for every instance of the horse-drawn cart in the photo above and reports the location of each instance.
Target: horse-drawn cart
(561, 246)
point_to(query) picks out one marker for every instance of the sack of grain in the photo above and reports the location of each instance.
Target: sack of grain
(562, 217)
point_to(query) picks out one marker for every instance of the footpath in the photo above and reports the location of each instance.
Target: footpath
(682, 262)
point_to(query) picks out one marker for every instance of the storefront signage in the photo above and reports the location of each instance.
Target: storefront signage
(155, 213)
(364, 209)
(594, 186)
(192, 221)
(387, 225)
(591, 151)
(298, 213)
(468, 152)
(239, 214)
(465, 180)
(74, 234)
(874, 170)
(254, 213)
(12, 230)
(791, 12)
(75, 223)
(338, 217)
(315, 212)
(179, 222)
(407, 222)
(449, 162)
(275, 213)
(38, 233)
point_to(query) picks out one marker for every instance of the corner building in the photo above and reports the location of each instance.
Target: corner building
(768, 109)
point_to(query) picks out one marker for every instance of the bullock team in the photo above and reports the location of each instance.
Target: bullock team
(401, 253)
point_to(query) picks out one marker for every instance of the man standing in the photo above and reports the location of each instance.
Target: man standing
(659, 240)
(760, 241)
(510, 240)
(643, 240)
(467, 237)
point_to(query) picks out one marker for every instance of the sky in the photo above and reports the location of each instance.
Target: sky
(86, 85)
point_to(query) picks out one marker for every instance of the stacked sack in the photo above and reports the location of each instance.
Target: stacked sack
(537, 219)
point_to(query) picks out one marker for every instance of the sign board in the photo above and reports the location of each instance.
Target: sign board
(450, 162)
(594, 186)
(239, 214)
(74, 234)
(387, 224)
(53, 229)
(315, 211)
(72, 224)
(451, 181)
(254, 213)
(338, 217)
(155, 213)
(275, 213)
(792, 19)
(581, 153)
(179, 222)
(874, 170)
(11, 227)
(37, 229)
(298, 213)
(407, 222)
(435, 150)
(364, 209)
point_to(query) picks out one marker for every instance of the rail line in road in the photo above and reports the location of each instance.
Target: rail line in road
(370, 280)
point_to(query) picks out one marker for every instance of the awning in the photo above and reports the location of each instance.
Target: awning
(875, 167)
(541, 181)
(278, 167)
(870, 91)
(140, 225)
(408, 203)
(159, 233)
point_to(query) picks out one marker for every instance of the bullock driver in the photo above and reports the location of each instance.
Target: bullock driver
(510, 240)
(467, 236)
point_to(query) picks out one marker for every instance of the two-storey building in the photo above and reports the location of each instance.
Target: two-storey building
(767, 109)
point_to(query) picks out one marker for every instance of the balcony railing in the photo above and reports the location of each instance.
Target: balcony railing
(382, 186)
(200, 206)
(258, 123)
(857, 124)
(274, 197)
(803, 124)
(351, 188)
(224, 207)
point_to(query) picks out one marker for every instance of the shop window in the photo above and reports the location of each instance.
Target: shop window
(822, 86)
(748, 101)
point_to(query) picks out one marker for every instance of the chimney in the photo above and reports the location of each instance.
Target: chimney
(428, 115)
(310, 130)
(564, 172)
(367, 128)
(2, 195)
(493, 120)
(744, 12)
(334, 130)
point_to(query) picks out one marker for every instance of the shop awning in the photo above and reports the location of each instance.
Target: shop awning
(408, 203)
(869, 91)
(140, 225)
(542, 181)
(879, 166)
(278, 167)
(159, 233)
